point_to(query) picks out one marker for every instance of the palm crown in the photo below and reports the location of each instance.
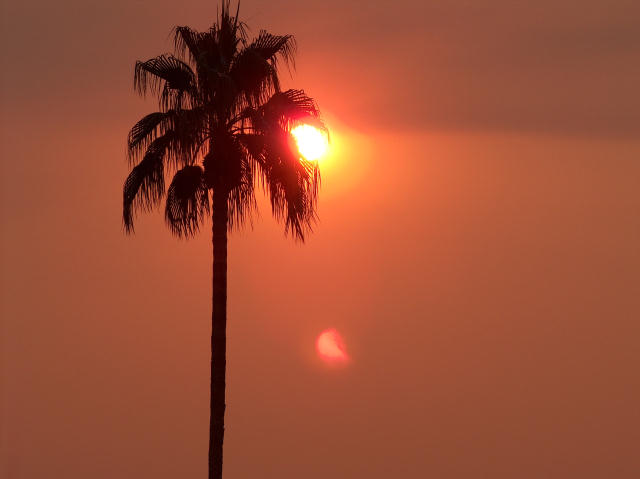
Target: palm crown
(223, 126)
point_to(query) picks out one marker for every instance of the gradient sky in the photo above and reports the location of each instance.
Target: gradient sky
(478, 249)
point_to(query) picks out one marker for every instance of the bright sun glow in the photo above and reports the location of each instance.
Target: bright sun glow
(312, 142)
(330, 346)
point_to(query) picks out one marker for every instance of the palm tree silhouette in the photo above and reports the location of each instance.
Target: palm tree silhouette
(223, 127)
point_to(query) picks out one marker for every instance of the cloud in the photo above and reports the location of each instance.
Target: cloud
(498, 65)
(550, 66)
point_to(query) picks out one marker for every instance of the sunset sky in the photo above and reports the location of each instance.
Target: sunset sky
(478, 251)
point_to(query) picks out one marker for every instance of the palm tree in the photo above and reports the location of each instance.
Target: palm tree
(223, 126)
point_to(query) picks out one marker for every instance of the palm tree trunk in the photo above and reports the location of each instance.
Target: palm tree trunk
(218, 334)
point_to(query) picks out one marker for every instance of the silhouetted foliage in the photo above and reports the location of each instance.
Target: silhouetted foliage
(221, 108)
(223, 127)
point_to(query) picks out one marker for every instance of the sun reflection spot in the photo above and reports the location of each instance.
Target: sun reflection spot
(330, 346)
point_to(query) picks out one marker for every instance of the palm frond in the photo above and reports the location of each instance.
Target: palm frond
(254, 144)
(167, 76)
(271, 47)
(187, 201)
(255, 71)
(293, 201)
(188, 128)
(254, 77)
(291, 182)
(144, 187)
(186, 41)
(284, 110)
(145, 131)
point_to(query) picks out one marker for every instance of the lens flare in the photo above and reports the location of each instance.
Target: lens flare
(330, 347)
(312, 143)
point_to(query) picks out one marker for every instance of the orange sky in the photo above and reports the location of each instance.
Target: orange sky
(478, 250)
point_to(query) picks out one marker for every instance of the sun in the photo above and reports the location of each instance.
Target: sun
(312, 143)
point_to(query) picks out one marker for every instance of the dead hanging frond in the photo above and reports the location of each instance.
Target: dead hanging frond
(242, 205)
(187, 201)
(241, 199)
(228, 168)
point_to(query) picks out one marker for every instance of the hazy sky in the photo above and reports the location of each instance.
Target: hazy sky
(478, 249)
